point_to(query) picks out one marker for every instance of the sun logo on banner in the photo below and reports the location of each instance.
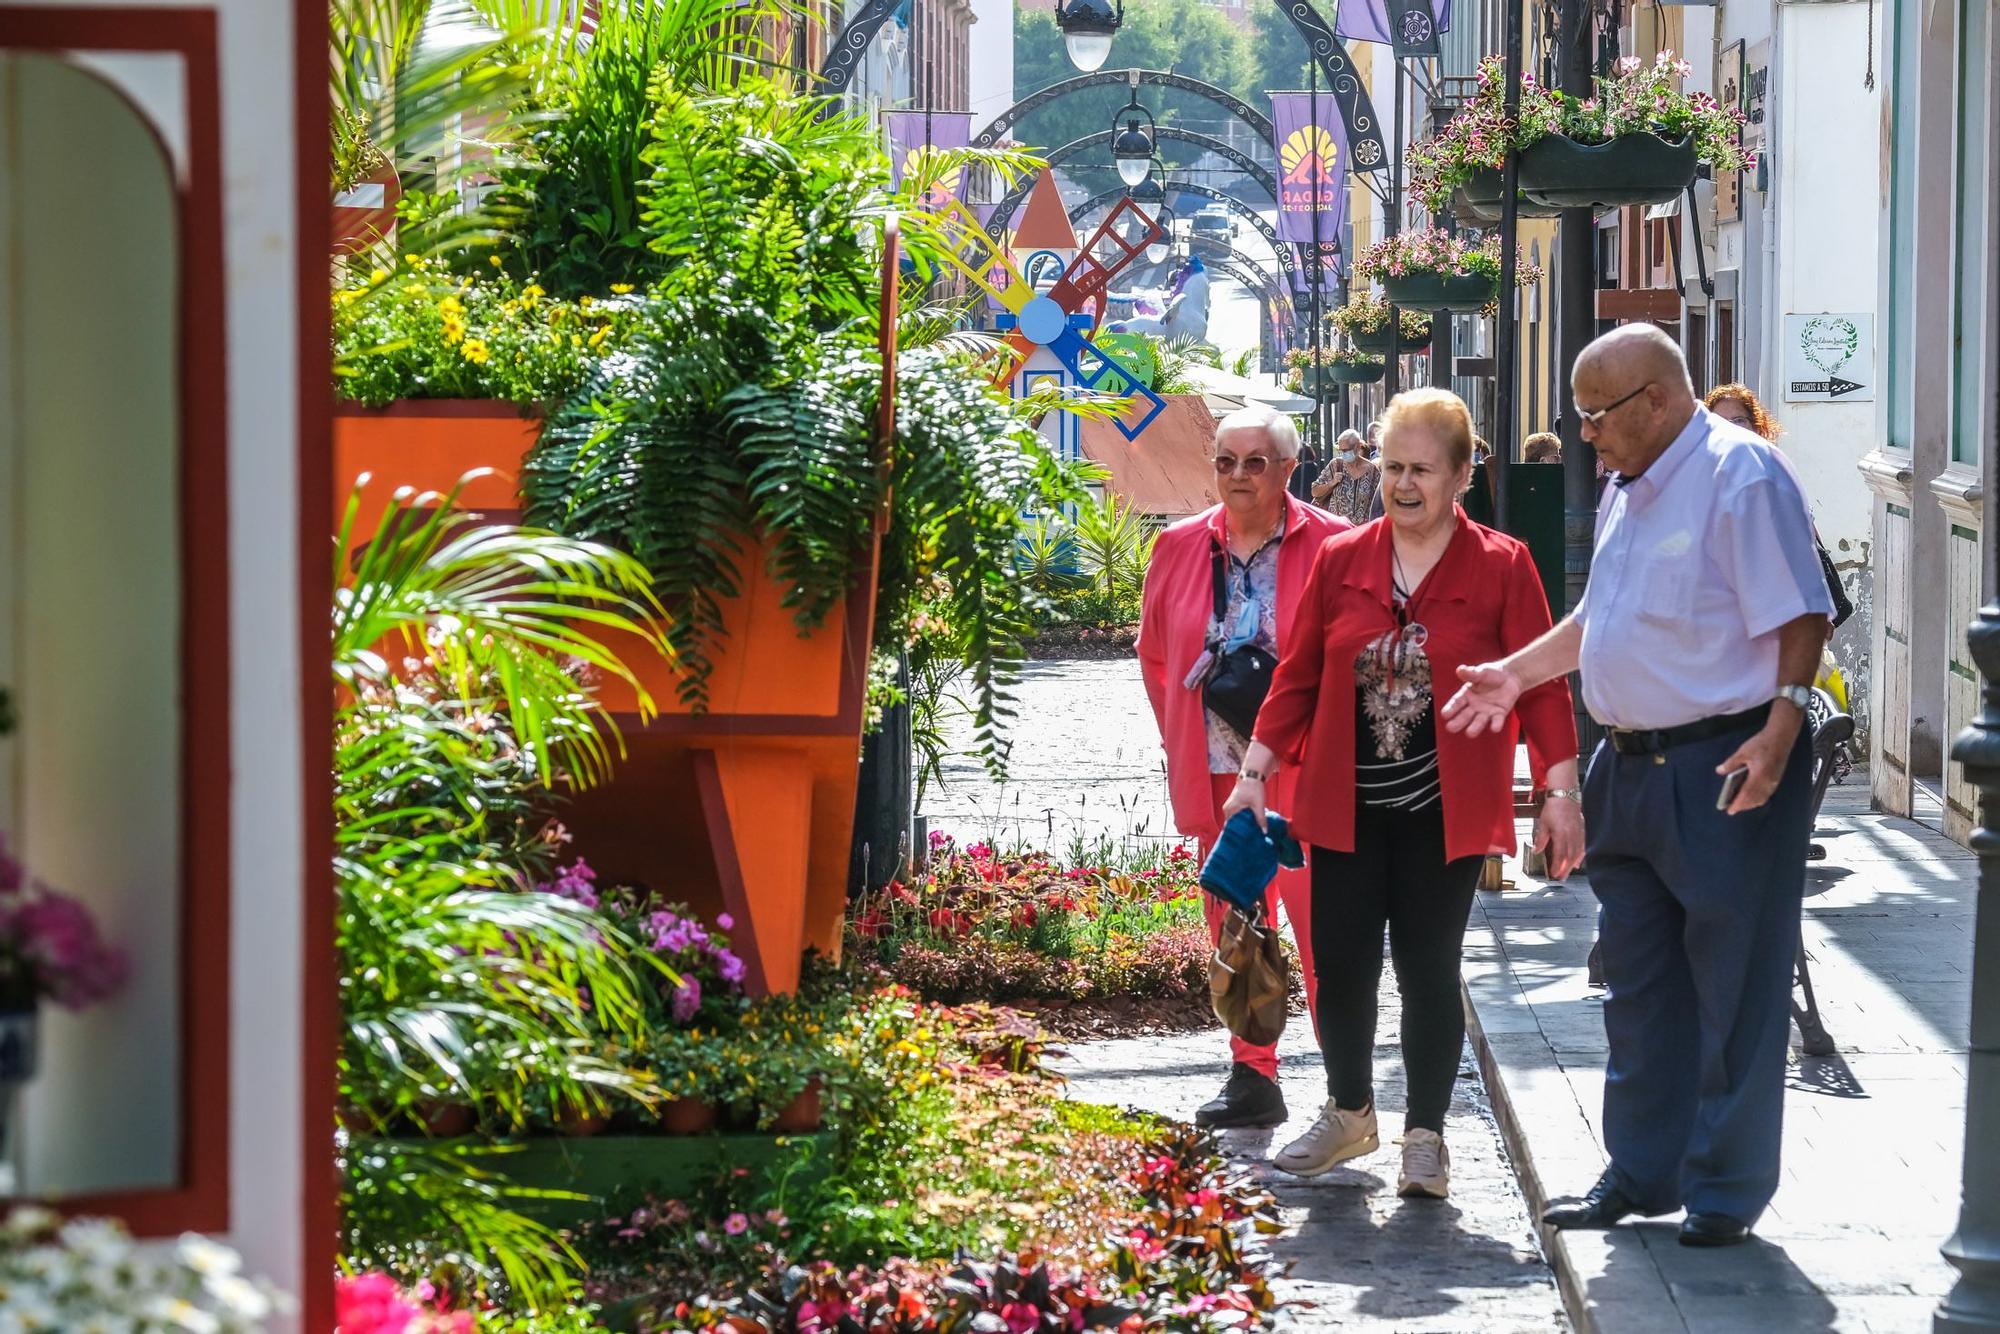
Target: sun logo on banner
(1307, 155)
(944, 187)
(1306, 165)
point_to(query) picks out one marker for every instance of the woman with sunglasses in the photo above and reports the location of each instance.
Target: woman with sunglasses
(1400, 813)
(1258, 545)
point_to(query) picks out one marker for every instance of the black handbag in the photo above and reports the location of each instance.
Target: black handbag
(1843, 606)
(1237, 681)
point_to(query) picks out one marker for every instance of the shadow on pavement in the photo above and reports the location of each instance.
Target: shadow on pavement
(1754, 1286)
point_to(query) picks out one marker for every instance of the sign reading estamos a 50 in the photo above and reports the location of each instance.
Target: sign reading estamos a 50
(1829, 358)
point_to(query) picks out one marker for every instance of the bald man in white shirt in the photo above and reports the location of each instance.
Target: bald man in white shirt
(1698, 638)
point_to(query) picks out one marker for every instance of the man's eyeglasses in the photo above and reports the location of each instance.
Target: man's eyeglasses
(1250, 465)
(1595, 419)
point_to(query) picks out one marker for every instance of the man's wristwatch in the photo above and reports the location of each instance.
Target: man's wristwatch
(1799, 697)
(1574, 794)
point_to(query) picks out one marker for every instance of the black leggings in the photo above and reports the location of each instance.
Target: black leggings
(1398, 875)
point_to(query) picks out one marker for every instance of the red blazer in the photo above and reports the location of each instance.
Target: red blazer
(1178, 604)
(1482, 601)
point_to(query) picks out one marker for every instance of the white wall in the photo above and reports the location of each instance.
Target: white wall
(1827, 224)
(266, 797)
(992, 57)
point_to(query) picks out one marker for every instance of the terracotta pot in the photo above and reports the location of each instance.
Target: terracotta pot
(576, 1125)
(445, 1120)
(801, 1114)
(688, 1116)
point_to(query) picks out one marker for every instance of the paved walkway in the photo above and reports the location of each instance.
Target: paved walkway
(1873, 1135)
(1360, 1257)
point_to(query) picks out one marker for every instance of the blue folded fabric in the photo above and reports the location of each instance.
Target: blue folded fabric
(1245, 860)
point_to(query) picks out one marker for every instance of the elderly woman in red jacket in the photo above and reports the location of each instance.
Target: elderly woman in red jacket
(1400, 813)
(1264, 541)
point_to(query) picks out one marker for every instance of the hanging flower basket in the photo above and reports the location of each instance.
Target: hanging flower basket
(1440, 291)
(1559, 172)
(1354, 372)
(1478, 201)
(1376, 342)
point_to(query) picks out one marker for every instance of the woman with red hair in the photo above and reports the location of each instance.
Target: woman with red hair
(1738, 405)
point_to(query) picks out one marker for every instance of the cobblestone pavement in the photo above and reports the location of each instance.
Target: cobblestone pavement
(1085, 765)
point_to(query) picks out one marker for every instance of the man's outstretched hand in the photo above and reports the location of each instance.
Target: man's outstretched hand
(1483, 703)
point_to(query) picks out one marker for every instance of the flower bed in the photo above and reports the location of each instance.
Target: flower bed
(983, 925)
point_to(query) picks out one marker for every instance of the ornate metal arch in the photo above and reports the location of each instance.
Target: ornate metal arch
(1288, 261)
(1365, 148)
(996, 226)
(1122, 78)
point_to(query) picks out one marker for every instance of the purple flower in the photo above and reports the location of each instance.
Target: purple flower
(731, 967)
(687, 999)
(726, 922)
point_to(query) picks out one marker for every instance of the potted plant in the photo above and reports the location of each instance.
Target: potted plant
(1338, 367)
(49, 949)
(443, 374)
(1364, 321)
(1460, 166)
(1638, 141)
(1431, 269)
(1347, 366)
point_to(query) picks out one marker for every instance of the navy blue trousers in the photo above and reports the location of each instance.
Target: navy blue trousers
(1700, 930)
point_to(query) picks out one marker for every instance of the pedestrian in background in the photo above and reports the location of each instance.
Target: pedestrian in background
(1374, 438)
(1738, 405)
(1259, 544)
(1542, 447)
(1348, 485)
(1697, 636)
(1401, 816)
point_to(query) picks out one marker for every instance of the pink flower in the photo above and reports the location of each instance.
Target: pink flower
(371, 1304)
(726, 922)
(736, 1224)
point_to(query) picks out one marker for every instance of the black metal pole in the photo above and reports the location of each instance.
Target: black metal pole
(1392, 379)
(1506, 341)
(1974, 1249)
(1576, 325)
(1316, 298)
(1343, 407)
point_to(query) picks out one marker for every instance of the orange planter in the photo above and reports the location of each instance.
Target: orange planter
(688, 1116)
(748, 807)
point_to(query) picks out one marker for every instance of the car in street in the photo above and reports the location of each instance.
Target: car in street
(1213, 226)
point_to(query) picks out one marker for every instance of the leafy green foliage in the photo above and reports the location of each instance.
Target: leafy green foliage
(427, 335)
(595, 97)
(456, 987)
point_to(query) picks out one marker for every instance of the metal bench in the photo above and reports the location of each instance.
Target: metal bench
(1830, 730)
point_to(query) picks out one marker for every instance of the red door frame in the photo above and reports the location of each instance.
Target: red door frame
(201, 1201)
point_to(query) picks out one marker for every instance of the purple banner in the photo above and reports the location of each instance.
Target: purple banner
(911, 132)
(1368, 20)
(1331, 266)
(1312, 167)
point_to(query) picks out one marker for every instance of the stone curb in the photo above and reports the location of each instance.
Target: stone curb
(1575, 1257)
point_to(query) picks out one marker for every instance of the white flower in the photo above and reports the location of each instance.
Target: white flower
(238, 1296)
(101, 1240)
(30, 1220)
(206, 1257)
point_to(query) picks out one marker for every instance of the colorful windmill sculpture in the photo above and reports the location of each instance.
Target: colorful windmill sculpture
(1063, 319)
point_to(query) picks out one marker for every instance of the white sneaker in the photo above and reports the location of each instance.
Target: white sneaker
(1334, 1137)
(1426, 1166)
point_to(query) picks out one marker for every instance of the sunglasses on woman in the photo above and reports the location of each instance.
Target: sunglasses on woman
(1250, 465)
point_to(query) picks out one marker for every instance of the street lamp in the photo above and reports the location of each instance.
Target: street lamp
(1087, 27)
(1151, 196)
(1132, 147)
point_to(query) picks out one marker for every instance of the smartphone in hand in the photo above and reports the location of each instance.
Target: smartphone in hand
(1732, 783)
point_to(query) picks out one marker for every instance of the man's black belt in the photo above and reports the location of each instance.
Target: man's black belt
(1628, 742)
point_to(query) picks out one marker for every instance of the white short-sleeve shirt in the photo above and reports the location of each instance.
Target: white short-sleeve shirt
(1698, 563)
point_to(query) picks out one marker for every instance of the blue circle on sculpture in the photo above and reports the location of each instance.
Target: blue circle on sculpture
(1043, 321)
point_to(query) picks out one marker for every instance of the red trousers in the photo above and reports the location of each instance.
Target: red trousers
(1294, 889)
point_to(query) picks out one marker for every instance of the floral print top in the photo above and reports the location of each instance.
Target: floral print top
(1254, 580)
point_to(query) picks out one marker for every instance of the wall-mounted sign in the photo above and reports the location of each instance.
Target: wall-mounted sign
(1756, 87)
(1729, 92)
(1829, 358)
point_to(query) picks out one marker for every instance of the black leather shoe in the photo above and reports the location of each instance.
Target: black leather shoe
(1712, 1230)
(1248, 1100)
(1605, 1206)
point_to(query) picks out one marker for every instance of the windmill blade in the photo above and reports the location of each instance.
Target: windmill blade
(1013, 353)
(1089, 275)
(1071, 348)
(966, 247)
